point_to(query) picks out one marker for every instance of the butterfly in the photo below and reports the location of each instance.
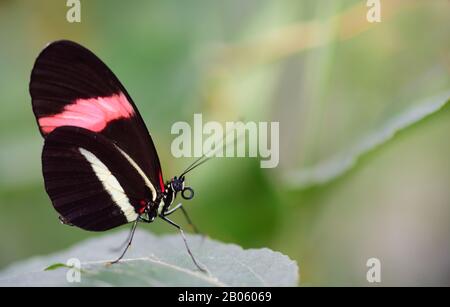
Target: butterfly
(99, 163)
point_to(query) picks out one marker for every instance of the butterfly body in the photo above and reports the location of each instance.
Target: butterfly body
(79, 103)
(99, 163)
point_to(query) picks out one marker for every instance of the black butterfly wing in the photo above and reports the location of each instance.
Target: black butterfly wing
(71, 86)
(92, 183)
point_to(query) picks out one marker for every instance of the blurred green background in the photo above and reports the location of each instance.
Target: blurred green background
(334, 81)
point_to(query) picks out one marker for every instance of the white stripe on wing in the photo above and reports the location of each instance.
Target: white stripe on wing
(111, 185)
(139, 170)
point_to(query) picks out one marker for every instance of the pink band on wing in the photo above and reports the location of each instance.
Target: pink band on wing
(92, 114)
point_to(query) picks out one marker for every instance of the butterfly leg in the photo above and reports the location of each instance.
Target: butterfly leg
(133, 230)
(180, 206)
(185, 242)
(124, 244)
(188, 219)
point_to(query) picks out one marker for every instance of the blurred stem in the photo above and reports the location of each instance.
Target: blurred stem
(317, 69)
(297, 37)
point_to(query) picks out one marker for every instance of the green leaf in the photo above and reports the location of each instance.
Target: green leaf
(57, 266)
(338, 165)
(156, 261)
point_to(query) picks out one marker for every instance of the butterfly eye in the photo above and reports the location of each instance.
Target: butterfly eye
(187, 193)
(177, 185)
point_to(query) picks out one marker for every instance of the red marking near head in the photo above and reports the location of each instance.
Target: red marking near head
(92, 114)
(161, 182)
(143, 204)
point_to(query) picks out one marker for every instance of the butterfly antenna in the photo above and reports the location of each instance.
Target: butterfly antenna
(197, 164)
(210, 154)
(192, 165)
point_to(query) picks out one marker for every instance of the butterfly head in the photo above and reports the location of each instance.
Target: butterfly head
(177, 184)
